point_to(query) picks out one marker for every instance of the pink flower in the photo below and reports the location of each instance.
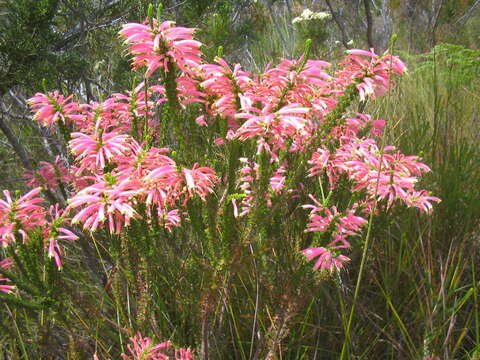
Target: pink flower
(248, 174)
(225, 87)
(169, 219)
(5, 264)
(369, 72)
(199, 180)
(337, 226)
(183, 354)
(307, 87)
(54, 249)
(161, 44)
(273, 128)
(326, 259)
(389, 175)
(350, 224)
(55, 232)
(162, 186)
(320, 160)
(97, 150)
(105, 201)
(118, 111)
(364, 122)
(321, 217)
(139, 161)
(20, 215)
(143, 348)
(49, 175)
(51, 107)
(277, 181)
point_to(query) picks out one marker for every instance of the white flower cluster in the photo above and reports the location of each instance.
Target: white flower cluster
(308, 15)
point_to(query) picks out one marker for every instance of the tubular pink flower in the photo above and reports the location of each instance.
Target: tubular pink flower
(169, 219)
(390, 176)
(97, 150)
(162, 186)
(370, 72)
(274, 128)
(338, 226)
(5, 264)
(183, 354)
(247, 177)
(161, 44)
(199, 180)
(52, 107)
(321, 217)
(54, 232)
(139, 162)
(20, 215)
(49, 175)
(143, 348)
(326, 259)
(105, 202)
(118, 111)
(277, 181)
(226, 87)
(362, 123)
(54, 249)
(303, 85)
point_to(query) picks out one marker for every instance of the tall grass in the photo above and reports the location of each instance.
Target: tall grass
(421, 292)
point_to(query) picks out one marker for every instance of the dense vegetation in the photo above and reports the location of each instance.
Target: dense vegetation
(212, 266)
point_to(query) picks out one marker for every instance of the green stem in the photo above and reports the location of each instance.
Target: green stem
(229, 218)
(22, 343)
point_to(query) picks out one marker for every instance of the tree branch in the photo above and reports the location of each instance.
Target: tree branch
(368, 14)
(467, 14)
(339, 24)
(17, 147)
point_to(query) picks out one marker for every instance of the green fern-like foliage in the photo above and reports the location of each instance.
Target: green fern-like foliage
(457, 64)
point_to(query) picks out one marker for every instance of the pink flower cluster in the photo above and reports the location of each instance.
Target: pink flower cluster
(249, 176)
(94, 151)
(248, 173)
(281, 112)
(226, 88)
(54, 232)
(52, 107)
(26, 215)
(49, 175)
(143, 348)
(117, 112)
(339, 226)
(4, 287)
(135, 175)
(369, 72)
(383, 174)
(162, 45)
(20, 216)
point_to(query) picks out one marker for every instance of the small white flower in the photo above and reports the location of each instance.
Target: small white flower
(322, 15)
(297, 20)
(307, 14)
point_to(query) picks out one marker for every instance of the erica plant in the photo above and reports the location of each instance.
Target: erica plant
(204, 172)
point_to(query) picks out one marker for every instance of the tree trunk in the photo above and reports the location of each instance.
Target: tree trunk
(16, 145)
(368, 14)
(339, 24)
